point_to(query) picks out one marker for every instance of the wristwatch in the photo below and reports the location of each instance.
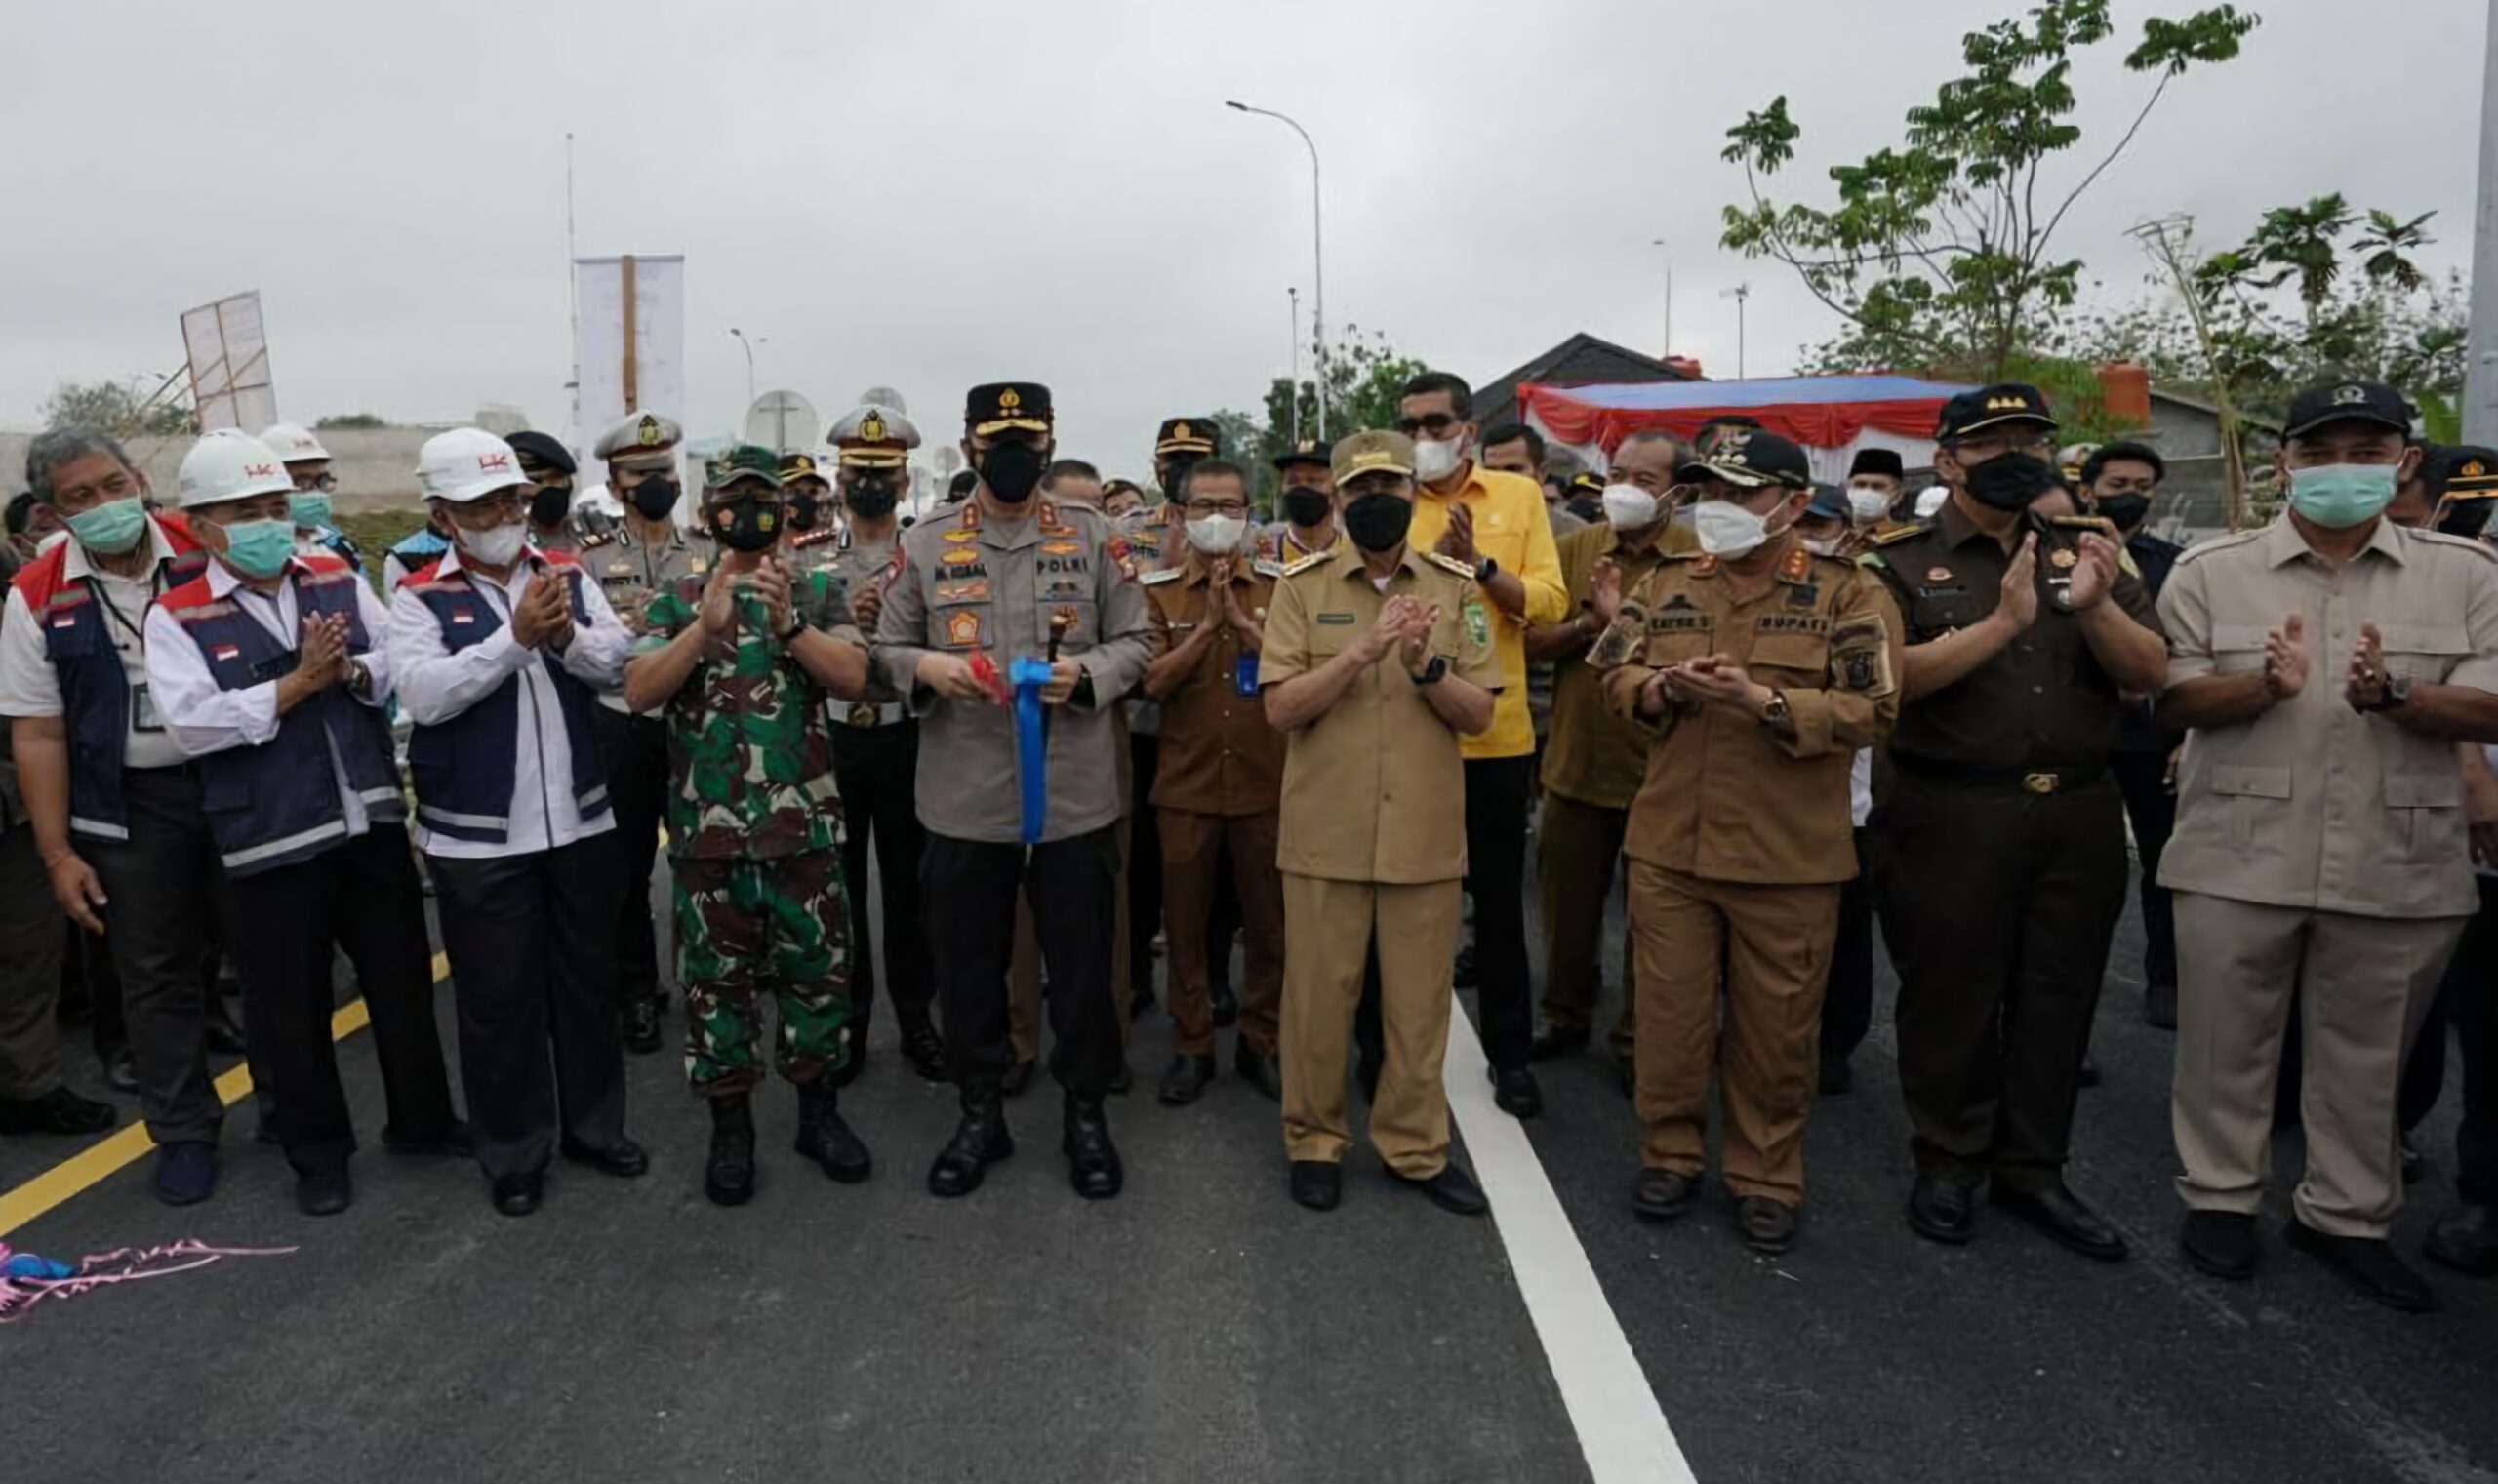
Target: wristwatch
(359, 680)
(1485, 569)
(2396, 693)
(1775, 711)
(1433, 674)
(790, 635)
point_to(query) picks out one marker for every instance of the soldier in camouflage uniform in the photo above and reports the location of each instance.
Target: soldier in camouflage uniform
(744, 663)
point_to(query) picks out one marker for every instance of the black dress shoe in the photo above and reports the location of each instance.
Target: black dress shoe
(1018, 1077)
(2466, 1240)
(2414, 1163)
(59, 1111)
(1838, 1077)
(2089, 1070)
(1261, 1069)
(728, 1171)
(1557, 1041)
(1452, 1189)
(824, 1137)
(1517, 1092)
(1942, 1210)
(326, 1193)
(1092, 1164)
(1661, 1195)
(2219, 1243)
(623, 1159)
(642, 1027)
(2370, 1266)
(1317, 1183)
(1185, 1082)
(1767, 1226)
(1123, 1081)
(980, 1140)
(2159, 1006)
(2061, 1215)
(925, 1050)
(121, 1069)
(1225, 1006)
(519, 1194)
(454, 1139)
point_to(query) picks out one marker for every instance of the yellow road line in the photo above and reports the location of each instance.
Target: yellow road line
(90, 1166)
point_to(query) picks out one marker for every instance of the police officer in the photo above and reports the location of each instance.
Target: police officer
(1761, 667)
(743, 661)
(645, 554)
(308, 468)
(497, 651)
(1018, 787)
(1306, 510)
(268, 669)
(876, 748)
(2000, 839)
(548, 465)
(809, 527)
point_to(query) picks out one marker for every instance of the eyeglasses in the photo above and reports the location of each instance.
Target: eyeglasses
(1218, 507)
(1987, 446)
(1435, 424)
(489, 511)
(325, 483)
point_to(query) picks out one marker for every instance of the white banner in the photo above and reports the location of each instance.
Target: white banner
(644, 371)
(230, 364)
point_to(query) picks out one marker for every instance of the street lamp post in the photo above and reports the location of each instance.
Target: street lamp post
(1318, 256)
(1295, 296)
(748, 347)
(1739, 294)
(1670, 298)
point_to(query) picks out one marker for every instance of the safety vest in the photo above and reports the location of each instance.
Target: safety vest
(278, 803)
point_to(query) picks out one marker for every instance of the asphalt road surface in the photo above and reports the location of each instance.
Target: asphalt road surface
(1203, 1328)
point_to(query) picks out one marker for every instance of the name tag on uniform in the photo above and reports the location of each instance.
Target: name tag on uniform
(1335, 617)
(1244, 675)
(143, 711)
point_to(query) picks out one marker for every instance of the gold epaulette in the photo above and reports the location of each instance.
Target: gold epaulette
(1450, 564)
(1307, 562)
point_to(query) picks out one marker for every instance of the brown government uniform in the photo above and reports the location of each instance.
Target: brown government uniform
(1999, 853)
(1372, 840)
(1739, 840)
(1217, 789)
(2320, 851)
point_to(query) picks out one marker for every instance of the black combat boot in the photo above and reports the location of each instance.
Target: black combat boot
(728, 1178)
(826, 1138)
(1093, 1161)
(980, 1140)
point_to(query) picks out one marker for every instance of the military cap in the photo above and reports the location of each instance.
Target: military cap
(1991, 407)
(1110, 487)
(873, 436)
(1306, 451)
(2347, 402)
(1588, 482)
(1188, 435)
(639, 439)
(2075, 458)
(1878, 461)
(997, 406)
(798, 466)
(745, 460)
(1829, 502)
(1718, 426)
(543, 450)
(1742, 456)
(1369, 452)
(2460, 473)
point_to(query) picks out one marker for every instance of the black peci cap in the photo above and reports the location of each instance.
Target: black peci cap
(543, 448)
(1991, 407)
(2347, 401)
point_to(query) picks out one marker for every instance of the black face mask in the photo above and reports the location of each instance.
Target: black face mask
(872, 498)
(1305, 506)
(1378, 521)
(2010, 481)
(1593, 510)
(750, 523)
(654, 499)
(1010, 471)
(2464, 518)
(804, 511)
(549, 505)
(2127, 510)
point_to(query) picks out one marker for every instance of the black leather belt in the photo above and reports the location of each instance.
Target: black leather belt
(2038, 781)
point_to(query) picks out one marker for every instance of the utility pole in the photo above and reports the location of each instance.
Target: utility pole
(1295, 295)
(1669, 348)
(2481, 357)
(1317, 251)
(573, 289)
(1744, 291)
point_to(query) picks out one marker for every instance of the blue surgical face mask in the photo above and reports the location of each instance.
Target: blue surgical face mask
(310, 507)
(112, 527)
(259, 548)
(2335, 496)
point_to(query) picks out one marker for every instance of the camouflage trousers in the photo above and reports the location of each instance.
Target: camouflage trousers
(746, 928)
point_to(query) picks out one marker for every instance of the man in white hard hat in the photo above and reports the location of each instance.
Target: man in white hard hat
(268, 671)
(498, 651)
(308, 472)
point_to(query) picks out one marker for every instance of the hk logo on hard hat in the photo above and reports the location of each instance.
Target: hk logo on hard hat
(494, 463)
(259, 471)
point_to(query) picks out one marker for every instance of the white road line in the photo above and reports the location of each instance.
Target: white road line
(1622, 1430)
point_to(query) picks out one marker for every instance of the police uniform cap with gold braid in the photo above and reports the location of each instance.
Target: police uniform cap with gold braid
(798, 466)
(1307, 451)
(1991, 407)
(640, 440)
(1188, 435)
(873, 437)
(997, 407)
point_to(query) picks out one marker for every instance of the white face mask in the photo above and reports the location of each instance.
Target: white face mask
(1726, 529)
(1822, 546)
(1435, 459)
(498, 548)
(1868, 505)
(1629, 507)
(1217, 535)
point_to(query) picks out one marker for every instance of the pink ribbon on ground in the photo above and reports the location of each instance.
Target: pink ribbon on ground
(26, 1281)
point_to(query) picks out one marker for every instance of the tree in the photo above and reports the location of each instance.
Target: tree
(113, 407)
(1366, 377)
(1938, 250)
(350, 421)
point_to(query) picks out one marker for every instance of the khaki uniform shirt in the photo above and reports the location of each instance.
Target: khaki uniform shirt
(630, 569)
(1728, 797)
(1594, 756)
(854, 565)
(1219, 755)
(2312, 805)
(1375, 790)
(963, 584)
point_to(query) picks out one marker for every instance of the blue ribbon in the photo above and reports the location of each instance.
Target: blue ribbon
(1031, 743)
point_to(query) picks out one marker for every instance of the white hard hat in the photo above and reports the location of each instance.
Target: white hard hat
(231, 465)
(1931, 498)
(467, 464)
(292, 444)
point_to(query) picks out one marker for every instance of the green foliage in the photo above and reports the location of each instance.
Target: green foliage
(351, 422)
(1365, 377)
(113, 407)
(1937, 250)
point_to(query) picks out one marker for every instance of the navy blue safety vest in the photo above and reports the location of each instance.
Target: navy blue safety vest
(95, 692)
(464, 766)
(278, 803)
(420, 549)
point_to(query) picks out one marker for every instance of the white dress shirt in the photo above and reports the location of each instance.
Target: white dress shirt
(30, 687)
(436, 685)
(205, 717)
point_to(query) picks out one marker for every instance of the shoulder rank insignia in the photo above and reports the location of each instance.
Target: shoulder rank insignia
(1797, 566)
(1704, 565)
(1306, 563)
(2099, 523)
(1888, 537)
(1449, 564)
(1266, 566)
(1162, 574)
(600, 539)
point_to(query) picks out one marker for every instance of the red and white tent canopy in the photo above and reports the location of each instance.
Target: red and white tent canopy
(1831, 417)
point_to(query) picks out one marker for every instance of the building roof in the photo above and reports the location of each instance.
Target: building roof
(1582, 360)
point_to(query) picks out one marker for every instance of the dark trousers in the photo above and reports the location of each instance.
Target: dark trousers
(1847, 1008)
(1496, 790)
(1145, 860)
(30, 952)
(1072, 885)
(529, 940)
(637, 783)
(2471, 997)
(876, 769)
(89, 987)
(1998, 905)
(162, 885)
(1579, 859)
(2153, 807)
(361, 896)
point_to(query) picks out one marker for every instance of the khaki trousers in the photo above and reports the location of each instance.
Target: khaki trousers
(1775, 945)
(1579, 846)
(1328, 926)
(1193, 847)
(2365, 983)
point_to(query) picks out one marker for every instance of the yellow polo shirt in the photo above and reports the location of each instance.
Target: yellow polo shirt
(1511, 528)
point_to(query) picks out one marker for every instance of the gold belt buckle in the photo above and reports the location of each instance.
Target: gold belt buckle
(865, 715)
(2039, 783)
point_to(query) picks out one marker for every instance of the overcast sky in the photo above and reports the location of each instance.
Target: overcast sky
(939, 192)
